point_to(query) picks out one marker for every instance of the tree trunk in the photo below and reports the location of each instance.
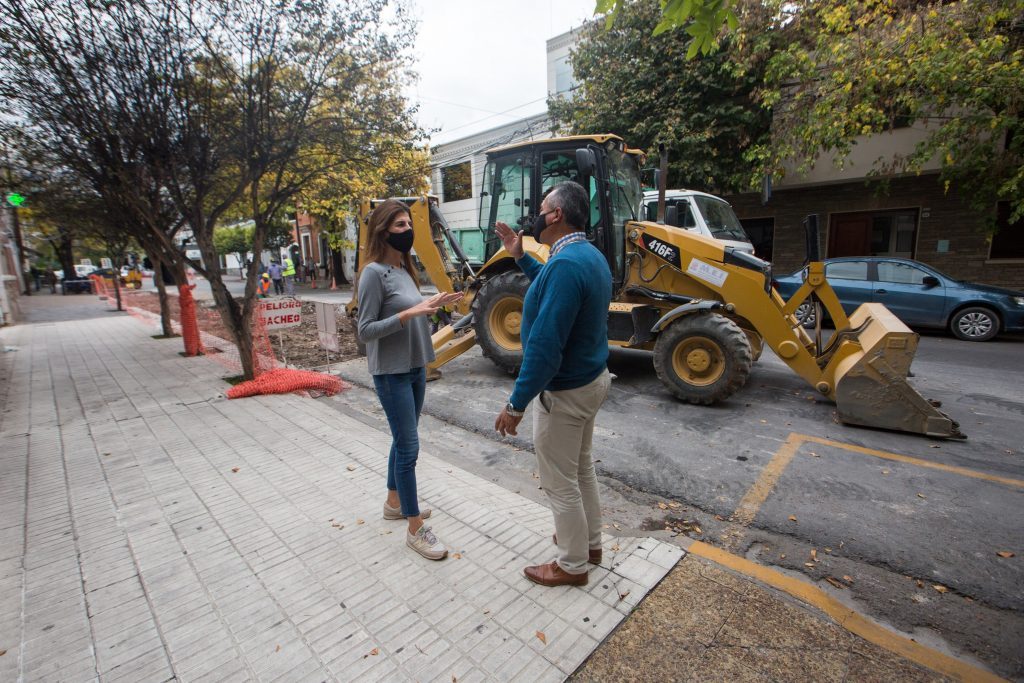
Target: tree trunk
(66, 257)
(161, 289)
(237, 318)
(339, 272)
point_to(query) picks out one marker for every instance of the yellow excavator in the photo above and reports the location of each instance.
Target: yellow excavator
(704, 309)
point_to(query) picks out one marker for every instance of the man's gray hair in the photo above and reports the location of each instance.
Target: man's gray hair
(572, 199)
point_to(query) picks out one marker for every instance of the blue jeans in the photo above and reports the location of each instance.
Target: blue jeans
(401, 397)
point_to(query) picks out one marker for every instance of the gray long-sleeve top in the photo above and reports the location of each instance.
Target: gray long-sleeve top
(391, 348)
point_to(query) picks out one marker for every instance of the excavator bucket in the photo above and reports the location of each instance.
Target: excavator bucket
(871, 386)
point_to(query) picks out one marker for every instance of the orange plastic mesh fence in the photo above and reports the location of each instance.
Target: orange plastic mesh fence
(286, 380)
(263, 353)
(189, 324)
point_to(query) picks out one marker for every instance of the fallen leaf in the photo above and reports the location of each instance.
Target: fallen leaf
(841, 543)
(920, 583)
(809, 564)
(764, 422)
(885, 471)
(720, 518)
(487, 611)
(782, 556)
(617, 527)
(698, 529)
(277, 649)
(331, 519)
(940, 588)
(1004, 553)
(675, 506)
(351, 468)
(814, 455)
(814, 554)
(384, 532)
(541, 637)
(834, 582)
(920, 495)
(663, 506)
(606, 526)
(615, 548)
(457, 556)
(828, 550)
(359, 521)
(792, 518)
(623, 596)
(935, 446)
(235, 469)
(847, 578)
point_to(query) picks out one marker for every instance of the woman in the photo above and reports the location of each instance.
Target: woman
(393, 325)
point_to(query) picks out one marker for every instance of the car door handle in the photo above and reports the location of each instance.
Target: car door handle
(881, 291)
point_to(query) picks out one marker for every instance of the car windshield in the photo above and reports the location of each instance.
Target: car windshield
(721, 219)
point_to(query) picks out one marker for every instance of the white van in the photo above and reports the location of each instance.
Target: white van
(702, 213)
(83, 270)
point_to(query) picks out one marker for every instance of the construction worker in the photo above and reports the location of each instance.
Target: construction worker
(263, 286)
(289, 276)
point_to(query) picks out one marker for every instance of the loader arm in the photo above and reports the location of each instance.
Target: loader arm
(863, 367)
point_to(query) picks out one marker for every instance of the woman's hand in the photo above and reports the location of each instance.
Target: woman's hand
(510, 239)
(430, 305)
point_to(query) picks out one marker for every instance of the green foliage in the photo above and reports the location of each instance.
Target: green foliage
(701, 20)
(233, 240)
(955, 70)
(643, 88)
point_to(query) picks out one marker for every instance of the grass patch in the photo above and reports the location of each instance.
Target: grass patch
(234, 380)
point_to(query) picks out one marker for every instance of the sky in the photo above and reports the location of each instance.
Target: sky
(477, 59)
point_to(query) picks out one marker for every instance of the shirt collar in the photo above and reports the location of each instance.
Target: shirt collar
(566, 240)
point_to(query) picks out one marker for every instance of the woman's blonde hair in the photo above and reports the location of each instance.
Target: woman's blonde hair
(380, 220)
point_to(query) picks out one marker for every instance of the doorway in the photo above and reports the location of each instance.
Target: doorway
(873, 233)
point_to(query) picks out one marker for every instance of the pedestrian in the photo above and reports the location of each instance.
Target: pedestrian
(564, 331)
(275, 271)
(263, 286)
(393, 325)
(37, 275)
(51, 279)
(289, 276)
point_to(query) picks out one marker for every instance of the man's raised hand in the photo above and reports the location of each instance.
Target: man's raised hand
(510, 239)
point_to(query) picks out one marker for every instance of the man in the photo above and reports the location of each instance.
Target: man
(289, 276)
(274, 270)
(565, 355)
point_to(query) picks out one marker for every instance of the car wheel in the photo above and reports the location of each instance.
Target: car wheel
(974, 323)
(805, 314)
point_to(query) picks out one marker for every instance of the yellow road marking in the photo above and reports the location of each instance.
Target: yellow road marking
(963, 471)
(769, 477)
(847, 618)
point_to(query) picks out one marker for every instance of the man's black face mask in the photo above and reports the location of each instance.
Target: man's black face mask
(539, 224)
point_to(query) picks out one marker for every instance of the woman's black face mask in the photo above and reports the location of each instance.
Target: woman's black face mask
(402, 241)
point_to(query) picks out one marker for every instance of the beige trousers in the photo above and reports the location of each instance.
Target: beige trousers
(563, 431)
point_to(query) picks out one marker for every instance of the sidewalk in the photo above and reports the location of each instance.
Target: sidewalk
(151, 530)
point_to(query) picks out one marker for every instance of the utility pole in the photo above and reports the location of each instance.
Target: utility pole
(14, 200)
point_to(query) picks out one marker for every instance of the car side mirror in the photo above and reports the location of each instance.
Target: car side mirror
(930, 281)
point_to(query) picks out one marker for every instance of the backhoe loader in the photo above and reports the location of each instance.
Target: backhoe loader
(704, 309)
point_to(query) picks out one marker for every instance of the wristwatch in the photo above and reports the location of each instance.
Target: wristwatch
(511, 410)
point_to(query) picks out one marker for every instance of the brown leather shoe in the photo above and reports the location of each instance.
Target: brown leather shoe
(595, 553)
(553, 575)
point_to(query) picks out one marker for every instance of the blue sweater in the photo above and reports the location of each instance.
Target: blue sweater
(565, 322)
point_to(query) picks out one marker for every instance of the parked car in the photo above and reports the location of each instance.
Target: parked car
(919, 295)
(82, 270)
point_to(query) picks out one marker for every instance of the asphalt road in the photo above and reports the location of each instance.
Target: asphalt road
(897, 514)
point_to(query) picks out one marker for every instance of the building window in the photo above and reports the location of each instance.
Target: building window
(1008, 242)
(563, 76)
(456, 182)
(871, 233)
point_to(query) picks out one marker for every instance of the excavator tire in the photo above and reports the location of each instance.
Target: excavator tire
(497, 314)
(703, 358)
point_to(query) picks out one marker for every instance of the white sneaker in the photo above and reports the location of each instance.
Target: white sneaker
(426, 544)
(396, 513)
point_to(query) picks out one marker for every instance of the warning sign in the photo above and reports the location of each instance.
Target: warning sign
(278, 314)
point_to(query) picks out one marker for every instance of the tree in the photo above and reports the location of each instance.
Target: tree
(643, 88)
(234, 239)
(702, 20)
(954, 70)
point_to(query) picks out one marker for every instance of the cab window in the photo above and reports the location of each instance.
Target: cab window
(847, 270)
